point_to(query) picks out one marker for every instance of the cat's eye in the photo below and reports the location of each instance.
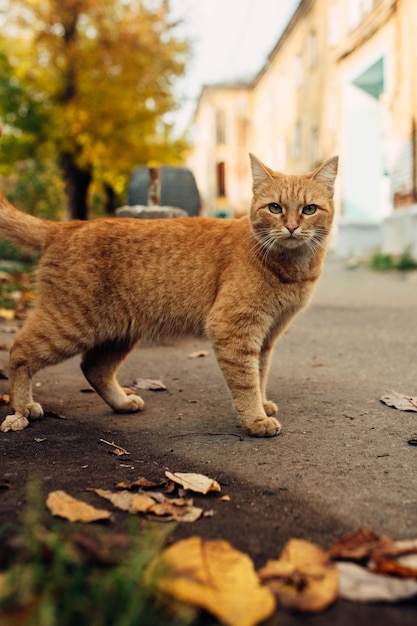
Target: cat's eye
(310, 209)
(275, 208)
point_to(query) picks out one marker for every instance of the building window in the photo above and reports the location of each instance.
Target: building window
(332, 110)
(367, 6)
(314, 146)
(354, 12)
(242, 131)
(333, 25)
(296, 149)
(358, 9)
(312, 49)
(298, 70)
(221, 179)
(220, 126)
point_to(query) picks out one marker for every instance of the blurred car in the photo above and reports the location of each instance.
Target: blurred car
(178, 188)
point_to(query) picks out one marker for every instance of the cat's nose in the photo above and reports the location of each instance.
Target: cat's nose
(291, 228)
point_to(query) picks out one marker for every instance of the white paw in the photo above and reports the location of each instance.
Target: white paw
(270, 408)
(33, 411)
(131, 405)
(14, 422)
(264, 427)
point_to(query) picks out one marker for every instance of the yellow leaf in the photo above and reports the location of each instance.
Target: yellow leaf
(63, 505)
(193, 482)
(212, 575)
(303, 578)
(7, 314)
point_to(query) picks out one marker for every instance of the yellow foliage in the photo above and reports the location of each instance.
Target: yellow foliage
(214, 576)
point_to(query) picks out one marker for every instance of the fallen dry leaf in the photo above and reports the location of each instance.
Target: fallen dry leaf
(212, 575)
(28, 296)
(402, 566)
(399, 401)
(303, 578)
(383, 553)
(198, 355)
(360, 585)
(142, 483)
(118, 452)
(14, 422)
(355, 546)
(63, 505)
(126, 501)
(7, 314)
(4, 277)
(150, 384)
(193, 482)
(176, 510)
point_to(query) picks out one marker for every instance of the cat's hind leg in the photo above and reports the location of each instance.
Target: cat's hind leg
(99, 366)
(36, 346)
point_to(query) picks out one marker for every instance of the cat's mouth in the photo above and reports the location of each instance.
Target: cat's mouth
(291, 241)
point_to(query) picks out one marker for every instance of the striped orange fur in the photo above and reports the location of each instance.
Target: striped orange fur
(105, 284)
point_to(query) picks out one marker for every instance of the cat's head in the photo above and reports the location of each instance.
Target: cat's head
(290, 211)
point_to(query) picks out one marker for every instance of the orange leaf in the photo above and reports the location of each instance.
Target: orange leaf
(63, 505)
(303, 578)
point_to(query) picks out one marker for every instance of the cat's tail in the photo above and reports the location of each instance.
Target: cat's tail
(22, 229)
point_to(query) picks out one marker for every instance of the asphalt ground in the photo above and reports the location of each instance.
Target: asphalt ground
(342, 462)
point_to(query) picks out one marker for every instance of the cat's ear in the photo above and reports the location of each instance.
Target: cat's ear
(260, 173)
(326, 173)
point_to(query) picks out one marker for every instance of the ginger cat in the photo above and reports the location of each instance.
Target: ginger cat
(104, 284)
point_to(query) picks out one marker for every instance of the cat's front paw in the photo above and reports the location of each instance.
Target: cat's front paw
(132, 404)
(270, 408)
(267, 427)
(33, 411)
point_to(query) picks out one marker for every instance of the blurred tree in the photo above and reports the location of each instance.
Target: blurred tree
(90, 82)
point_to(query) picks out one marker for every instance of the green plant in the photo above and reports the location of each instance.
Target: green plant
(406, 262)
(382, 262)
(70, 579)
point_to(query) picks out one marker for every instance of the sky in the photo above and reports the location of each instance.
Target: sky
(231, 41)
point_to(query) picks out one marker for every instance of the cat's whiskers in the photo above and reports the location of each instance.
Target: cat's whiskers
(315, 239)
(265, 243)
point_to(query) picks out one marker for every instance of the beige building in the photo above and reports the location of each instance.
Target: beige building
(341, 80)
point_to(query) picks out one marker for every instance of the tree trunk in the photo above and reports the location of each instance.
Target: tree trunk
(77, 182)
(110, 201)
